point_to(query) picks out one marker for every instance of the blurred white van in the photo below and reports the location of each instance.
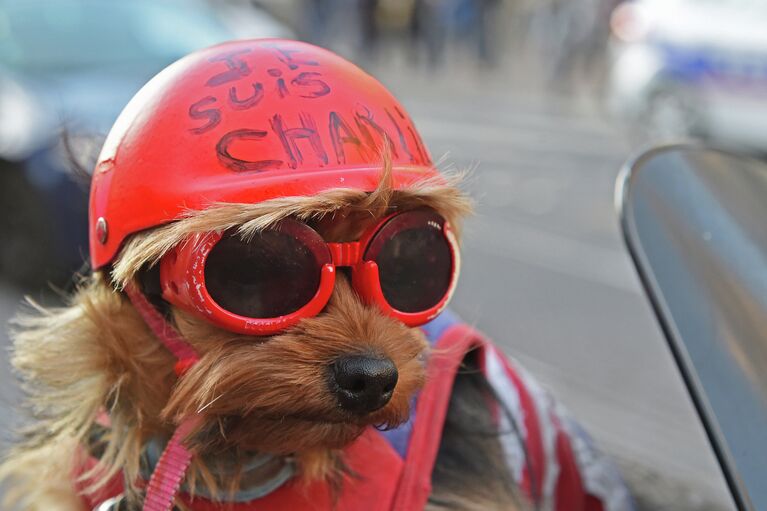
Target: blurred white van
(692, 67)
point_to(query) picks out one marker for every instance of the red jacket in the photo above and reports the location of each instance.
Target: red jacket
(395, 467)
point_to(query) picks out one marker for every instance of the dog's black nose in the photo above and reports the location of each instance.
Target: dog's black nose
(363, 384)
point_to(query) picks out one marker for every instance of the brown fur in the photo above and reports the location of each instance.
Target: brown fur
(251, 387)
(256, 394)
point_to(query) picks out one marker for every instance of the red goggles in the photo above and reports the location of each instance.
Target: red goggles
(407, 265)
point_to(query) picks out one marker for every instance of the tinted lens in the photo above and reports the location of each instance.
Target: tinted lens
(415, 268)
(272, 275)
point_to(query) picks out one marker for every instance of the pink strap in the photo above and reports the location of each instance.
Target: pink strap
(165, 332)
(170, 470)
(175, 459)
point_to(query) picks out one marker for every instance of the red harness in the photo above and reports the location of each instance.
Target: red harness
(552, 459)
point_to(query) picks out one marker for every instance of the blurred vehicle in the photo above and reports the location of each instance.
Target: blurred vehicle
(70, 66)
(692, 67)
(693, 222)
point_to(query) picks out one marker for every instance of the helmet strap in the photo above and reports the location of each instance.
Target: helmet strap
(175, 460)
(184, 352)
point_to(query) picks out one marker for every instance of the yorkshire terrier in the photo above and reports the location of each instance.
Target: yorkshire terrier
(287, 411)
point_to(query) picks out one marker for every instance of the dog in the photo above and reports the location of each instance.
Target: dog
(257, 411)
(96, 353)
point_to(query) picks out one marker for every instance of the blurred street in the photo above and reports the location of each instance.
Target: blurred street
(9, 302)
(544, 271)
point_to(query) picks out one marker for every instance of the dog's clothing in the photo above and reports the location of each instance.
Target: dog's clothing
(553, 460)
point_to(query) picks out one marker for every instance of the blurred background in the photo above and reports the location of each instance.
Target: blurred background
(543, 99)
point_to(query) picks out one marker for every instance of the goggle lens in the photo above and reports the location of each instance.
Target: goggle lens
(415, 268)
(414, 259)
(273, 274)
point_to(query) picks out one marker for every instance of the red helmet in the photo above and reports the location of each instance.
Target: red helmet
(245, 121)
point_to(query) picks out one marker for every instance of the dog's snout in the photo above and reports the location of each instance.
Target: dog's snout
(363, 384)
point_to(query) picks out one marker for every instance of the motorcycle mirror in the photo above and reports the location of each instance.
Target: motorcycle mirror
(695, 223)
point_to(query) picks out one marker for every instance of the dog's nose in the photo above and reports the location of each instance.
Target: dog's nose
(363, 384)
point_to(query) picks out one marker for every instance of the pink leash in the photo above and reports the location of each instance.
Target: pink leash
(175, 459)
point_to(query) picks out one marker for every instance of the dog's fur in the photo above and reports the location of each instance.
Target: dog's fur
(255, 394)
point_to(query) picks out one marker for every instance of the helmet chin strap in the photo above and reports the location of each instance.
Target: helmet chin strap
(176, 458)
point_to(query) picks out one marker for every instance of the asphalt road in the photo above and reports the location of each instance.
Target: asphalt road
(546, 275)
(9, 300)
